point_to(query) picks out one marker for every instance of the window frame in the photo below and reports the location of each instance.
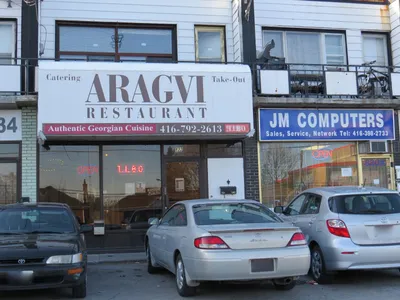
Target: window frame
(17, 160)
(210, 28)
(322, 41)
(116, 54)
(386, 40)
(14, 33)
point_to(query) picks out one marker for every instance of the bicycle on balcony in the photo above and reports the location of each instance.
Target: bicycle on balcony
(372, 82)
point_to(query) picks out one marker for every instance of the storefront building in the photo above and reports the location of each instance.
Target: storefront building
(308, 148)
(17, 102)
(120, 144)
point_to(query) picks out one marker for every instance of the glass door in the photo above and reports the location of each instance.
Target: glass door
(182, 181)
(376, 171)
(8, 183)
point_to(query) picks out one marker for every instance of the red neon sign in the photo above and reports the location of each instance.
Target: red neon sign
(322, 154)
(81, 170)
(130, 169)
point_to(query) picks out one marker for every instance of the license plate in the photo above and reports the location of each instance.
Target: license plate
(20, 277)
(262, 265)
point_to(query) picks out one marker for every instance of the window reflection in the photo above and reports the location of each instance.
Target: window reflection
(70, 174)
(182, 150)
(289, 168)
(9, 150)
(132, 184)
(8, 183)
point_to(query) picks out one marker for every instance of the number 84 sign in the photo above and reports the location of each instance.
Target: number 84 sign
(10, 125)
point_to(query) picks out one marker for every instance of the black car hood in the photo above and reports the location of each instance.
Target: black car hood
(37, 245)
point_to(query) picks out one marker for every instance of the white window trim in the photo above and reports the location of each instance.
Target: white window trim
(321, 40)
(385, 43)
(216, 28)
(14, 35)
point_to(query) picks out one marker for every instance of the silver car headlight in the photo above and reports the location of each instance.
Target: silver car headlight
(65, 259)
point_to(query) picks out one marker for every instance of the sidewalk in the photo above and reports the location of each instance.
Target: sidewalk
(116, 258)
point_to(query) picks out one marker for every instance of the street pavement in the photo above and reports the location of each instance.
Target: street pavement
(120, 281)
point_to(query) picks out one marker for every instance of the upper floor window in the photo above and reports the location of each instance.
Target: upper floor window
(7, 45)
(116, 43)
(210, 43)
(375, 49)
(307, 47)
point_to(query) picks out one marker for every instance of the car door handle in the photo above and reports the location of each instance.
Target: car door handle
(310, 223)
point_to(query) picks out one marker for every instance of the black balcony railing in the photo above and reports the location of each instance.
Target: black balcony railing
(326, 81)
(301, 80)
(17, 76)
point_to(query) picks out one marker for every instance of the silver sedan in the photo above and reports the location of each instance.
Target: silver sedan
(226, 240)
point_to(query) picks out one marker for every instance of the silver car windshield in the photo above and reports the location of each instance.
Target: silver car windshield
(233, 213)
(365, 204)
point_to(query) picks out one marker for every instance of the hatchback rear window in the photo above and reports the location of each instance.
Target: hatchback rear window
(233, 213)
(365, 204)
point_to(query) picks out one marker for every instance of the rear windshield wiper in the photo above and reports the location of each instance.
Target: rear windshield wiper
(47, 232)
(372, 211)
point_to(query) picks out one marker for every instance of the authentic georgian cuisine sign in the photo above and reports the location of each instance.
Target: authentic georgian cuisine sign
(87, 98)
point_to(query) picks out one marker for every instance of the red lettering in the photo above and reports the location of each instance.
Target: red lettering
(130, 169)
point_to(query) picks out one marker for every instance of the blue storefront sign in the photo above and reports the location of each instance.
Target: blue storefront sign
(326, 124)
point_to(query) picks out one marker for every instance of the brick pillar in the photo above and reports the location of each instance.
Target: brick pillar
(29, 146)
(251, 169)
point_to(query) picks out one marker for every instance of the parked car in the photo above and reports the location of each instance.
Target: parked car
(225, 240)
(41, 246)
(347, 228)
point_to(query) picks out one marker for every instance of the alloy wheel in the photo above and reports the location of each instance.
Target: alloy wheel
(316, 264)
(180, 274)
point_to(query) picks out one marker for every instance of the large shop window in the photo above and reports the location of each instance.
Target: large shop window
(307, 47)
(70, 174)
(116, 43)
(131, 183)
(7, 45)
(289, 168)
(9, 156)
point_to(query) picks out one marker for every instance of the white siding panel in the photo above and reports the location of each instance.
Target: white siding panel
(395, 33)
(350, 17)
(13, 13)
(237, 30)
(184, 14)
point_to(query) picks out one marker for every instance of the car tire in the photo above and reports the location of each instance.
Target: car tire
(79, 292)
(150, 268)
(284, 287)
(317, 268)
(180, 279)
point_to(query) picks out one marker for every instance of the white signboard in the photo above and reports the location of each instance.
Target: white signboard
(10, 125)
(91, 99)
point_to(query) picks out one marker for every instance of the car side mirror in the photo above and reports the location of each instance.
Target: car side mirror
(85, 228)
(279, 209)
(153, 221)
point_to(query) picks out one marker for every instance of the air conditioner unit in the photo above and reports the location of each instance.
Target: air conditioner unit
(378, 146)
(373, 147)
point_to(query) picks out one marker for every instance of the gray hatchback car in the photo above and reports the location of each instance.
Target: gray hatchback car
(347, 228)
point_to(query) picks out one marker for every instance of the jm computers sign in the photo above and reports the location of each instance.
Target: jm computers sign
(326, 124)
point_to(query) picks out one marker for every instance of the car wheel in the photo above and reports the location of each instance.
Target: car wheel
(317, 269)
(79, 292)
(284, 286)
(181, 284)
(150, 267)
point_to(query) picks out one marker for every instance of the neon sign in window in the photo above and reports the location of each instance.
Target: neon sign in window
(130, 169)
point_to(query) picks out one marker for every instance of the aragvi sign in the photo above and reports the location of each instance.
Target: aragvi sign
(82, 98)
